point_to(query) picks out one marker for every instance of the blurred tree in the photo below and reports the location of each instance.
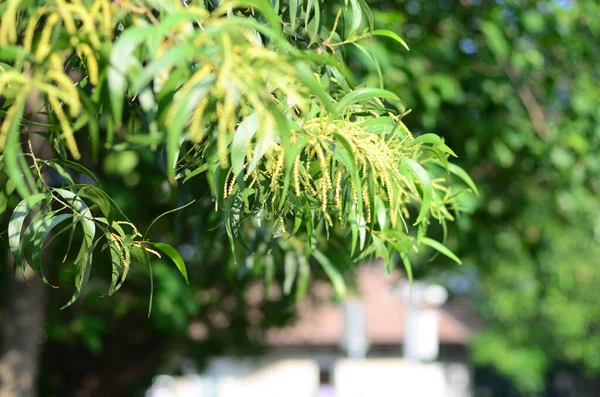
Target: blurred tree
(513, 87)
(119, 115)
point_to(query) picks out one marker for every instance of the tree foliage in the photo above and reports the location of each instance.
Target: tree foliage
(255, 97)
(512, 87)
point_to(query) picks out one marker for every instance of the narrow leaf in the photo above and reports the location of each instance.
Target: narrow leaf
(175, 257)
(440, 248)
(390, 34)
(334, 275)
(420, 172)
(15, 226)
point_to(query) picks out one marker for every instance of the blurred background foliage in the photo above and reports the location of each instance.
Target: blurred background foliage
(513, 87)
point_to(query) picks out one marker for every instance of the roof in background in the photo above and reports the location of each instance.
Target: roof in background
(322, 324)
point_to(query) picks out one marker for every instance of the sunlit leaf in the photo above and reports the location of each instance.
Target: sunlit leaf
(390, 34)
(440, 248)
(175, 257)
(334, 275)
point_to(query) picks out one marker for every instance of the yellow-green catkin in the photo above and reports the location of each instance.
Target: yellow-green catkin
(31, 27)
(44, 47)
(9, 118)
(278, 167)
(65, 126)
(8, 25)
(367, 203)
(296, 173)
(196, 130)
(338, 191)
(66, 17)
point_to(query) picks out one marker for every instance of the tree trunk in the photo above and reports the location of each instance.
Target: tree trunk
(22, 333)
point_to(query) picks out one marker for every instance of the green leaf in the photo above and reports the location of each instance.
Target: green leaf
(334, 275)
(367, 11)
(176, 55)
(420, 172)
(98, 197)
(185, 106)
(175, 257)
(15, 165)
(362, 95)
(290, 155)
(291, 268)
(356, 16)
(440, 248)
(83, 261)
(459, 172)
(495, 38)
(267, 10)
(407, 268)
(196, 172)
(293, 10)
(305, 75)
(303, 278)
(241, 143)
(316, 21)
(60, 170)
(346, 155)
(13, 53)
(390, 34)
(433, 139)
(121, 58)
(371, 58)
(36, 234)
(15, 226)
(77, 167)
(115, 258)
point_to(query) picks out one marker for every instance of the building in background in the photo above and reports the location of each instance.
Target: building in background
(373, 344)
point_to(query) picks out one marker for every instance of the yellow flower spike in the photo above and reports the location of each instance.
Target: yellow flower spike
(65, 84)
(227, 181)
(136, 232)
(328, 218)
(323, 163)
(367, 203)
(278, 169)
(196, 130)
(12, 77)
(66, 16)
(405, 129)
(31, 28)
(65, 126)
(116, 239)
(226, 119)
(91, 62)
(354, 193)
(405, 213)
(65, 96)
(107, 18)
(231, 185)
(88, 23)
(297, 175)
(338, 191)
(8, 27)
(10, 116)
(309, 183)
(196, 78)
(44, 47)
